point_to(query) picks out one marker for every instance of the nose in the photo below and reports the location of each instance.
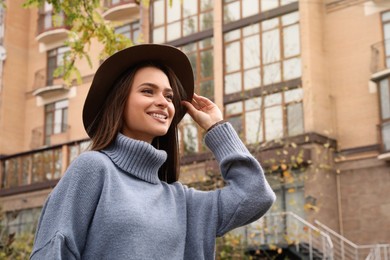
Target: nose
(161, 100)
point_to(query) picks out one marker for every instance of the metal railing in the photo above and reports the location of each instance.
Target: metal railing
(344, 249)
(288, 229)
(380, 56)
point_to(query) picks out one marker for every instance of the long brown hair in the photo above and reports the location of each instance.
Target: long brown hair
(109, 121)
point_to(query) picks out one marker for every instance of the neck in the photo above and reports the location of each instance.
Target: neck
(137, 158)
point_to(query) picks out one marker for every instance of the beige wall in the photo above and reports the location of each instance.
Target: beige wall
(349, 34)
(365, 202)
(12, 106)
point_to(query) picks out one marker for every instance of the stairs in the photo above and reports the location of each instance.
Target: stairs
(285, 235)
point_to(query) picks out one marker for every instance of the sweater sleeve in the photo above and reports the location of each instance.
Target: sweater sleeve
(247, 195)
(63, 224)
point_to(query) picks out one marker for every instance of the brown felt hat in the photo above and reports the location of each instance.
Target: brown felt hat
(120, 62)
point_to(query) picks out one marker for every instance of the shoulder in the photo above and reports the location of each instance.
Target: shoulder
(89, 164)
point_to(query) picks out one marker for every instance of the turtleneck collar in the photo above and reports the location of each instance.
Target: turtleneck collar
(137, 158)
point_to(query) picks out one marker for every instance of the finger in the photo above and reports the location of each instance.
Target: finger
(191, 109)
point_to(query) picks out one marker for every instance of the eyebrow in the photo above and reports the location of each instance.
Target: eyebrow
(155, 86)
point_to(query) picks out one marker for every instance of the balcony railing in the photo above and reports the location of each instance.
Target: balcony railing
(120, 9)
(51, 27)
(380, 56)
(43, 87)
(32, 169)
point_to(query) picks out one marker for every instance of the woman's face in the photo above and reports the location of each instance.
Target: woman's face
(149, 109)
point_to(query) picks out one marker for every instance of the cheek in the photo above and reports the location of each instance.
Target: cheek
(172, 109)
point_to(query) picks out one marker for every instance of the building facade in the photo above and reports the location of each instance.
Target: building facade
(305, 83)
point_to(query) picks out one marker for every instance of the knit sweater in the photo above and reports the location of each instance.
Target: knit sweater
(112, 205)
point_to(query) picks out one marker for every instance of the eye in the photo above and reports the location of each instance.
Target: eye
(169, 97)
(147, 91)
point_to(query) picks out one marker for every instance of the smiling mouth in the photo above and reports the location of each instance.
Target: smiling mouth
(158, 116)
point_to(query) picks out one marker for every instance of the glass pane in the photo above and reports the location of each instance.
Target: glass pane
(206, 65)
(273, 99)
(158, 12)
(234, 108)
(253, 127)
(173, 31)
(270, 24)
(273, 123)
(292, 68)
(190, 8)
(61, 104)
(285, 2)
(232, 57)
(293, 95)
(57, 163)
(49, 123)
(386, 136)
(386, 32)
(385, 98)
(252, 78)
(250, 7)
(57, 121)
(291, 42)
(206, 21)
(208, 42)
(190, 134)
(294, 119)
(233, 35)
(237, 124)
(267, 4)
(206, 4)
(159, 35)
(64, 120)
(253, 103)
(173, 10)
(251, 51)
(386, 16)
(251, 29)
(271, 46)
(192, 58)
(232, 83)
(207, 89)
(290, 18)
(190, 25)
(231, 12)
(271, 74)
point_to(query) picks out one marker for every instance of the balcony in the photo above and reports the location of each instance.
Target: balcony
(51, 28)
(37, 169)
(118, 10)
(380, 60)
(46, 88)
(60, 133)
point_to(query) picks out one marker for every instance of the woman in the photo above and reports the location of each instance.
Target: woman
(123, 199)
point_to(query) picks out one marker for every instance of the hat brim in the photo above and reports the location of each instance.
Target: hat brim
(114, 66)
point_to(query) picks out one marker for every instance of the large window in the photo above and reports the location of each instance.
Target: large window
(262, 54)
(55, 59)
(56, 118)
(257, 57)
(201, 56)
(174, 19)
(130, 31)
(267, 117)
(238, 9)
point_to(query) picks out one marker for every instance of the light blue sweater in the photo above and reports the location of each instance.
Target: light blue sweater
(112, 205)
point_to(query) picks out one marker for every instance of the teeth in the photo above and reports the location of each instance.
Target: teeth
(158, 116)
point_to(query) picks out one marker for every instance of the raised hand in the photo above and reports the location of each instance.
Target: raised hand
(204, 112)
